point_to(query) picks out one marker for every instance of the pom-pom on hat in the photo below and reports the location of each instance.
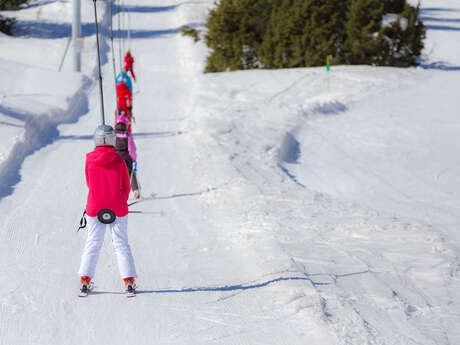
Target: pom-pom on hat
(122, 119)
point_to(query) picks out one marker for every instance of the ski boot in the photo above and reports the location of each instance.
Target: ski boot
(85, 286)
(130, 287)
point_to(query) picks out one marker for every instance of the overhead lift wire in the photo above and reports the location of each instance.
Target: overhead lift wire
(119, 33)
(123, 25)
(113, 54)
(128, 14)
(99, 65)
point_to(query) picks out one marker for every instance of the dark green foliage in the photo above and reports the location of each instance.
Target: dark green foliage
(370, 41)
(302, 33)
(6, 24)
(191, 32)
(7, 5)
(245, 34)
(394, 6)
(235, 33)
(364, 42)
(404, 38)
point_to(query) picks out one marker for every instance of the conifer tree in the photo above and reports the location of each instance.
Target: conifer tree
(6, 24)
(404, 38)
(235, 30)
(245, 34)
(302, 33)
(394, 6)
(7, 5)
(324, 32)
(363, 40)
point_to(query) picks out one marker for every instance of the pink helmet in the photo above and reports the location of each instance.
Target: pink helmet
(122, 119)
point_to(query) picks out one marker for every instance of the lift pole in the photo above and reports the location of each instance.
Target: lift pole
(76, 35)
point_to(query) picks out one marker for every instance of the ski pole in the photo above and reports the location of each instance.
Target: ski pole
(150, 197)
(158, 213)
(133, 170)
(83, 221)
(99, 65)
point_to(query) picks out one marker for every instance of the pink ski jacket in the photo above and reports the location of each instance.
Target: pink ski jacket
(131, 145)
(108, 181)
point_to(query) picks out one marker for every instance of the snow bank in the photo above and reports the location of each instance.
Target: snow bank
(34, 97)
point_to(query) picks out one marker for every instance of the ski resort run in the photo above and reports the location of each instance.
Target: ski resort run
(298, 206)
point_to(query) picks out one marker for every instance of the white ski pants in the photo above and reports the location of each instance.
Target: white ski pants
(94, 241)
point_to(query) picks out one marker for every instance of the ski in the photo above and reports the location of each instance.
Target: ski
(82, 294)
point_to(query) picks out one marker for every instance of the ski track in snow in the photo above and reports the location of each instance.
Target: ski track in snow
(254, 160)
(248, 249)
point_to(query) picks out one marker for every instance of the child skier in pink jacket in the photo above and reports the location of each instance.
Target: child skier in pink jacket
(126, 148)
(108, 181)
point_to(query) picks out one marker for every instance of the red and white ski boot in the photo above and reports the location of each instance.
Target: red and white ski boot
(130, 287)
(85, 286)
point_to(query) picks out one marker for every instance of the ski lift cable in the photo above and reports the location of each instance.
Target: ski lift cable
(123, 5)
(122, 27)
(99, 65)
(129, 27)
(113, 54)
(119, 33)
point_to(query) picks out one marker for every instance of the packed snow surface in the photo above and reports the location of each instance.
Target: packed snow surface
(293, 206)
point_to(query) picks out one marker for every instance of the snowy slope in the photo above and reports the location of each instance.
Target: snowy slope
(34, 95)
(294, 207)
(442, 22)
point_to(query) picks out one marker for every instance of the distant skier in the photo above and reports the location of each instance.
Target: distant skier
(124, 98)
(108, 181)
(125, 113)
(127, 149)
(128, 81)
(129, 61)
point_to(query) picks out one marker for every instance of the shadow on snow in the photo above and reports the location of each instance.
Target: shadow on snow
(11, 124)
(439, 65)
(153, 9)
(243, 287)
(443, 20)
(428, 15)
(437, 9)
(152, 33)
(230, 287)
(442, 28)
(48, 30)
